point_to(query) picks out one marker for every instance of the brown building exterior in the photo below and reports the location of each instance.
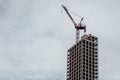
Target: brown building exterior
(82, 59)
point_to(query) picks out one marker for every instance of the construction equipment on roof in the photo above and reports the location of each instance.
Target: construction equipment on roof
(78, 27)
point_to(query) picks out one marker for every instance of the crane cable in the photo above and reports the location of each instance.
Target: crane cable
(76, 14)
(61, 2)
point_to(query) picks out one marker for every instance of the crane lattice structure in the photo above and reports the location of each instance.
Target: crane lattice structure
(78, 26)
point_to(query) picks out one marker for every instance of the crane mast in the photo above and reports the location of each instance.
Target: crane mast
(78, 27)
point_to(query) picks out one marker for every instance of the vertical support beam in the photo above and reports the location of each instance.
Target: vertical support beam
(77, 35)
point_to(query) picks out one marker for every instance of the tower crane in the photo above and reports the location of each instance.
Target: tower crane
(78, 26)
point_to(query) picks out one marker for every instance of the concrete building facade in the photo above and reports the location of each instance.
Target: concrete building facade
(82, 59)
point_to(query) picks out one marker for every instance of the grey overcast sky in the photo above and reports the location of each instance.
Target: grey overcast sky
(36, 34)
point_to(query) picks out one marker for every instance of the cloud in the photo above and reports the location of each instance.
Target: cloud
(35, 36)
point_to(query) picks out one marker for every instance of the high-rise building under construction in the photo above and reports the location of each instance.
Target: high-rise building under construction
(82, 59)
